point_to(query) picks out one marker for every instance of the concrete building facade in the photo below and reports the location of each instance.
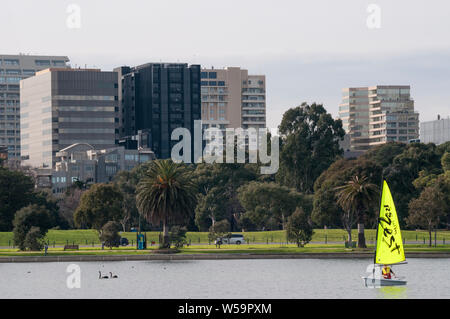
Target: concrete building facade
(437, 132)
(13, 69)
(61, 107)
(378, 114)
(231, 98)
(81, 162)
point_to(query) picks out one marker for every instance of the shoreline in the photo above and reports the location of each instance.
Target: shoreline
(211, 256)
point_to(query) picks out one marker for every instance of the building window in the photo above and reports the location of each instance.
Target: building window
(11, 62)
(59, 63)
(212, 75)
(28, 72)
(42, 62)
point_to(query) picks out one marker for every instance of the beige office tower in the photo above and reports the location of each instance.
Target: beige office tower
(231, 98)
(14, 68)
(61, 107)
(377, 115)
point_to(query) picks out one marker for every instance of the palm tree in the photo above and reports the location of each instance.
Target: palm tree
(357, 196)
(166, 194)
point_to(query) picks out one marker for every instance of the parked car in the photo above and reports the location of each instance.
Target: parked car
(234, 239)
(124, 241)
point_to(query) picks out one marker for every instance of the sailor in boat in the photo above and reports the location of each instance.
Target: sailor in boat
(387, 272)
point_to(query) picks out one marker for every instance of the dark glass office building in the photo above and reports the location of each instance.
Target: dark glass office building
(156, 98)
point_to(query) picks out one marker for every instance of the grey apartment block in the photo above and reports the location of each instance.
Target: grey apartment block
(437, 132)
(14, 68)
(81, 162)
(61, 107)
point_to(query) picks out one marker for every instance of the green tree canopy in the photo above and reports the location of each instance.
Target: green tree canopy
(325, 211)
(310, 144)
(263, 201)
(405, 168)
(299, 228)
(445, 162)
(126, 182)
(31, 224)
(16, 191)
(218, 186)
(428, 209)
(98, 205)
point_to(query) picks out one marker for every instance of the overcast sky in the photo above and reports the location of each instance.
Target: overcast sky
(308, 50)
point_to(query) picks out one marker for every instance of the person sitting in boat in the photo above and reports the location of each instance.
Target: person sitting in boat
(387, 272)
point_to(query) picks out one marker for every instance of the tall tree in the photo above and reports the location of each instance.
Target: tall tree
(69, 203)
(358, 195)
(223, 179)
(427, 210)
(263, 201)
(98, 205)
(166, 195)
(16, 191)
(325, 211)
(126, 182)
(310, 144)
(405, 168)
(210, 208)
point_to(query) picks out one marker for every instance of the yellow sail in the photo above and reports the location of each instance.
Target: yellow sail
(389, 239)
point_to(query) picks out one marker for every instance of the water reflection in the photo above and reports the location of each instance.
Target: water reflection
(392, 292)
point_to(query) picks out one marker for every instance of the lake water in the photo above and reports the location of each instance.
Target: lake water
(259, 278)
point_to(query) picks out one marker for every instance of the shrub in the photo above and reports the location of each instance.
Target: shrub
(110, 234)
(35, 219)
(177, 236)
(299, 228)
(34, 239)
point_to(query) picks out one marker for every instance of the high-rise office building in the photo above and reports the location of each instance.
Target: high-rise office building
(155, 99)
(437, 131)
(61, 107)
(378, 114)
(232, 98)
(14, 68)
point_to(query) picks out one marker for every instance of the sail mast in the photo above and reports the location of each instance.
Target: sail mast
(378, 220)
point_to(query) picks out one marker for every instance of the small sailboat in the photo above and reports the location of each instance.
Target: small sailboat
(389, 246)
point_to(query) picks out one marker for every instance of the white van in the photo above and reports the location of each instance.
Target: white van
(234, 239)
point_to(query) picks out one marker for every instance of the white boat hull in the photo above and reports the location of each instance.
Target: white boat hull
(381, 282)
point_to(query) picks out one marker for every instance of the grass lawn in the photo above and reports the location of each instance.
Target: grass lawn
(225, 249)
(89, 237)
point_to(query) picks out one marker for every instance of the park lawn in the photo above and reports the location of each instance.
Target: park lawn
(225, 249)
(89, 236)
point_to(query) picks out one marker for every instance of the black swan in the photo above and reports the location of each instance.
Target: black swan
(100, 275)
(113, 276)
